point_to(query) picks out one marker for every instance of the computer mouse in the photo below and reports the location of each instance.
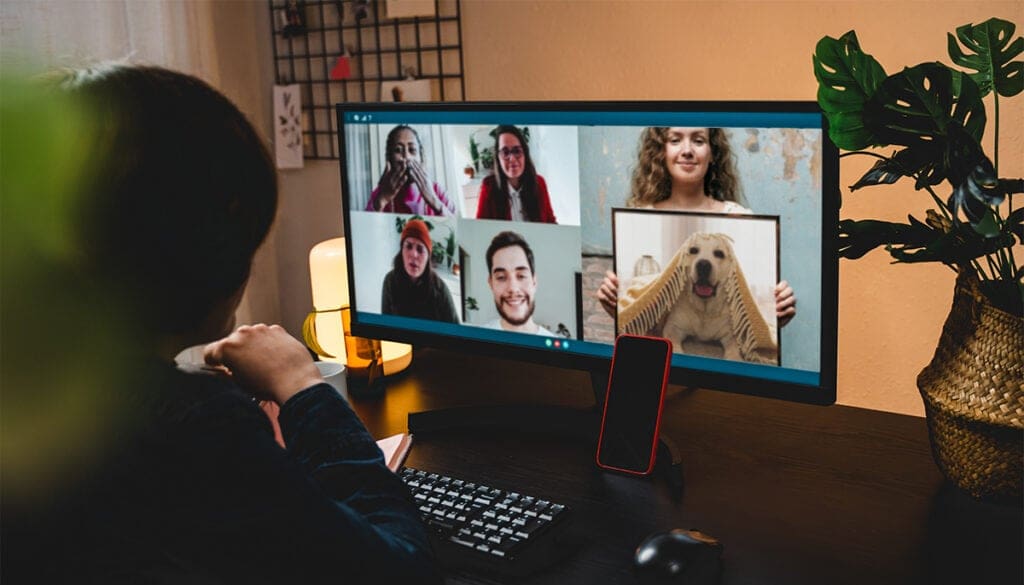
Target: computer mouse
(679, 556)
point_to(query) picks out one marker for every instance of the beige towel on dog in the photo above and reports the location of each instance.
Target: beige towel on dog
(645, 304)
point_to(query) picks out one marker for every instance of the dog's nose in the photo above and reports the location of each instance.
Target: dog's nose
(703, 269)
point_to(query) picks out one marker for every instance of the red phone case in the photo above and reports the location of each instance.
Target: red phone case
(661, 404)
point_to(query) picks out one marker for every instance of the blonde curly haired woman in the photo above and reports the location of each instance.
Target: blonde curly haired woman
(688, 169)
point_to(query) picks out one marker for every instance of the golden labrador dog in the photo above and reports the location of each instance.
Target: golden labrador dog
(701, 311)
(701, 302)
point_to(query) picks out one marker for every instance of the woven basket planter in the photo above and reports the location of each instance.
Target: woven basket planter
(973, 392)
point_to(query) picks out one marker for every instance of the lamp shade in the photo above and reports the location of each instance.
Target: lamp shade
(328, 273)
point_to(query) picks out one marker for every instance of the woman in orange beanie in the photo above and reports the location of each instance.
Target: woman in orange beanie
(412, 288)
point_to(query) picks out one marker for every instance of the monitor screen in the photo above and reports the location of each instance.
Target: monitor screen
(492, 227)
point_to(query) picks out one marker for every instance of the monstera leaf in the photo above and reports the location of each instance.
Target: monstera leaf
(992, 56)
(935, 112)
(908, 162)
(917, 241)
(847, 78)
(976, 187)
(958, 246)
(858, 237)
(919, 105)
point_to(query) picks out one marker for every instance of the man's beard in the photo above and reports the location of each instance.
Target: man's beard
(511, 320)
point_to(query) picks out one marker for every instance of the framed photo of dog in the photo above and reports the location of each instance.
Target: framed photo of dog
(705, 281)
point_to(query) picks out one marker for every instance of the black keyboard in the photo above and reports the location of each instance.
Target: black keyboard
(478, 526)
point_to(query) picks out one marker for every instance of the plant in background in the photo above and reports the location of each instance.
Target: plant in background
(483, 159)
(935, 117)
(449, 248)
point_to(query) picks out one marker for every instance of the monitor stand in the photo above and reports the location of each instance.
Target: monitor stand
(564, 421)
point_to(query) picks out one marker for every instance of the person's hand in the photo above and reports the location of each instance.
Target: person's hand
(785, 303)
(265, 361)
(396, 175)
(419, 176)
(608, 293)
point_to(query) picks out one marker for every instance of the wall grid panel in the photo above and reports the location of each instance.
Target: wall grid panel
(380, 49)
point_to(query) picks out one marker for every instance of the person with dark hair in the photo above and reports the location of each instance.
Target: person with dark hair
(514, 191)
(513, 282)
(412, 288)
(688, 169)
(404, 187)
(187, 484)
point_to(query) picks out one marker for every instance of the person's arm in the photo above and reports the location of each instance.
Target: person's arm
(785, 299)
(372, 204)
(447, 206)
(434, 200)
(391, 182)
(547, 214)
(328, 440)
(387, 305)
(608, 293)
(785, 303)
(326, 510)
(483, 206)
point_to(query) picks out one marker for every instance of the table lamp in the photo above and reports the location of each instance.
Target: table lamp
(327, 329)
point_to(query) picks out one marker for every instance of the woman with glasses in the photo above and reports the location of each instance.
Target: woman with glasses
(404, 187)
(515, 191)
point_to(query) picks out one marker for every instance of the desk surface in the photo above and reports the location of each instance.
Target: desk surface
(796, 493)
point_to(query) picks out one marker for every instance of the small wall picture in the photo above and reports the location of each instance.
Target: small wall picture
(412, 90)
(409, 8)
(288, 127)
(704, 281)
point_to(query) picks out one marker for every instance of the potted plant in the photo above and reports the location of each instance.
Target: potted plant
(930, 120)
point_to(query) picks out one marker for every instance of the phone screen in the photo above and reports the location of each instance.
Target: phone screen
(629, 429)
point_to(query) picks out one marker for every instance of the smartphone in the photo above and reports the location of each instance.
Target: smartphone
(632, 406)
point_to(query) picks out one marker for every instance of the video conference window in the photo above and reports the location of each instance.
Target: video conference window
(507, 230)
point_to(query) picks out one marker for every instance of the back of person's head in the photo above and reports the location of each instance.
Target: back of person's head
(182, 191)
(507, 239)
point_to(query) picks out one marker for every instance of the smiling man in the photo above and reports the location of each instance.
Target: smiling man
(511, 276)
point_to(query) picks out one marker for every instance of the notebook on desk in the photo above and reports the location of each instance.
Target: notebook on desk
(395, 449)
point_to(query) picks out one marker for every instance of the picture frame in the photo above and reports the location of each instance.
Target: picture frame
(705, 281)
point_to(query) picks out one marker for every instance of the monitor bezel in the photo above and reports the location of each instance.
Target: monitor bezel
(822, 394)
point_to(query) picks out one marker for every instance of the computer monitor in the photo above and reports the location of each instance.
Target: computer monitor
(526, 206)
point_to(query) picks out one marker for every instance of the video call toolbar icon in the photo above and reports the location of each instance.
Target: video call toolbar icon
(558, 343)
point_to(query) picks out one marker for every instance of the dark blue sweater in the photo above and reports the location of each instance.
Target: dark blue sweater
(197, 491)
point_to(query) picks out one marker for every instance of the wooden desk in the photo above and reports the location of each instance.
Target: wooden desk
(796, 493)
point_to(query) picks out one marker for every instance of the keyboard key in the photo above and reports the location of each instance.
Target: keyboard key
(439, 523)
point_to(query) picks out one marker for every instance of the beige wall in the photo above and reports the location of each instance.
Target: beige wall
(890, 316)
